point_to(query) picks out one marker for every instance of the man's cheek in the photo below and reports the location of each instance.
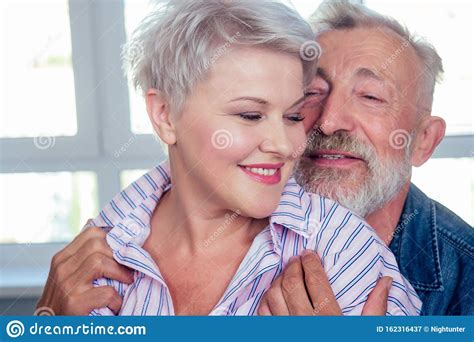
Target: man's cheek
(310, 117)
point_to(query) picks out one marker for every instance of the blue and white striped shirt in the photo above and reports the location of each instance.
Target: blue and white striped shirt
(353, 256)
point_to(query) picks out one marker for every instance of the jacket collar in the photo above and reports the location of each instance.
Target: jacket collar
(415, 242)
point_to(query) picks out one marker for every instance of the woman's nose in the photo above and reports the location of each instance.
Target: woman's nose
(276, 140)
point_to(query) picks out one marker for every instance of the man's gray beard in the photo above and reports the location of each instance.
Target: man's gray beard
(368, 192)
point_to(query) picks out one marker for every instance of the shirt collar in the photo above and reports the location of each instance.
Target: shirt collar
(415, 242)
(294, 212)
(134, 224)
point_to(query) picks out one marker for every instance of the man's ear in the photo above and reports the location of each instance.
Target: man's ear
(430, 133)
(159, 112)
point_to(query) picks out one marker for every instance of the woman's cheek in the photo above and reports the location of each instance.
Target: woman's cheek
(233, 144)
(298, 139)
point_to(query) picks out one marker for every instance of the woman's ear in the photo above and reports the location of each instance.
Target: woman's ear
(430, 133)
(159, 112)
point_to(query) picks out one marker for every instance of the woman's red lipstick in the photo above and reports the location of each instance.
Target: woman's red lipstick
(265, 173)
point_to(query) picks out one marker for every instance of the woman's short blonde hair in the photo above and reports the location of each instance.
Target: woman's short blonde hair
(174, 47)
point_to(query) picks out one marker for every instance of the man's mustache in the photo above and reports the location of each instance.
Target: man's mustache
(341, 141)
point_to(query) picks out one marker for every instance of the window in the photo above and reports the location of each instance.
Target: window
(36, 67)
(73, 133)
(440, 24)
(450, 182)
(57, 204)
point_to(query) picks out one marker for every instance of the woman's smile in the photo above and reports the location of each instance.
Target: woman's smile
(264, 173)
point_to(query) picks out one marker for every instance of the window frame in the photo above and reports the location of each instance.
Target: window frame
(97, 33)
(104, 127)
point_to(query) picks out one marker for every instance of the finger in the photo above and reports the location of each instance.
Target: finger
(264, 309)
(276, 301)
(99, 266)
(294, 290)
(73, 247)
(376, 304)
(89, 247)
(317, 285)
(102, 296)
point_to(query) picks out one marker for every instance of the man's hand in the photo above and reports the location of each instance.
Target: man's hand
(69, 289)
(304, 290)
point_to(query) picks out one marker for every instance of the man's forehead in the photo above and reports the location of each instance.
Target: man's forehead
(371, 52)
(361, 38)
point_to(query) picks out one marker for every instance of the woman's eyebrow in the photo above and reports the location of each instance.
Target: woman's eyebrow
(250, 98)
(265, 102)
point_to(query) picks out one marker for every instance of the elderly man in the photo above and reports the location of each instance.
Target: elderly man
(370, 106)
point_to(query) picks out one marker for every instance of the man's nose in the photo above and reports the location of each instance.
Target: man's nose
(337, 114)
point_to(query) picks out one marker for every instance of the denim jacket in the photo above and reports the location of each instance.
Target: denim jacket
(434, 249)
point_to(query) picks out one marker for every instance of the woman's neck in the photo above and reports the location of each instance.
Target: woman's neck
(193, 223)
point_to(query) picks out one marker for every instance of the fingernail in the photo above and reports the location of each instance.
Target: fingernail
(306, 252)
(293, 258)
(389, 284)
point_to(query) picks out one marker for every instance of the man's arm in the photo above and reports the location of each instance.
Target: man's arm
(303, 289)
(69, 289)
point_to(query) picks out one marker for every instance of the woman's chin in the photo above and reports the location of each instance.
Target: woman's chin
(259, 210)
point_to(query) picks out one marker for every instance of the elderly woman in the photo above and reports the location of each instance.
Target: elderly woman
(209, 230)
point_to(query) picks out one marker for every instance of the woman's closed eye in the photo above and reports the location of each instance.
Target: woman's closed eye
(250, 116)
(314, 93)
(295, 117)
(254, 116)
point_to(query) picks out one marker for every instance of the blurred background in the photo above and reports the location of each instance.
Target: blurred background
(73, 133)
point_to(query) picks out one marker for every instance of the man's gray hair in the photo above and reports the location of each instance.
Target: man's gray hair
(174, 47)
(344, 15)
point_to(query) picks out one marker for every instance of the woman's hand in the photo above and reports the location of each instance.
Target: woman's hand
(69, 289)
(304, 290)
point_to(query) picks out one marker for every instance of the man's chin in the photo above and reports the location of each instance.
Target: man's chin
(337, 190)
